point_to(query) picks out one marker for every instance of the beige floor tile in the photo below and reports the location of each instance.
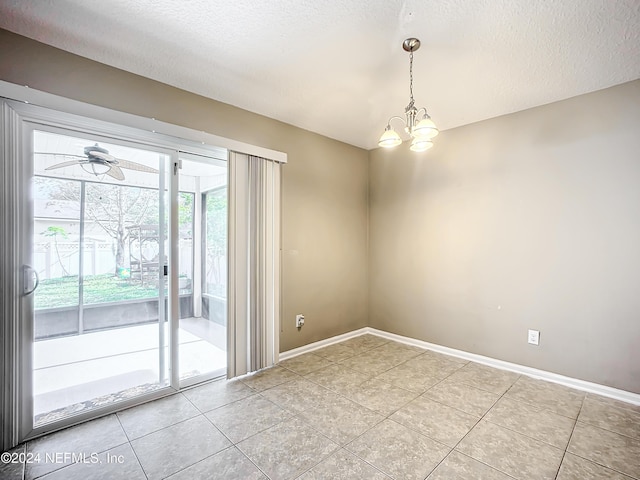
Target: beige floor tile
(485, 378)
(230, 464)
(460, 467)
(606, 448)
(246, 417)
(448, 358)
(398, 451)
(615, 403)
(610, 417)
(382, 397)
(577, 468)
(336, 352)
(362, 343)
(395, 354)
(338, 378)
(96, 436)
(287, 450)
(463, 397)
(307, 363)
(117, 463)
(268, 378)
(179, 446)
(370, 363)
(340, 419)
(435, 420)
(397, 347)
(343, 465)
(415, 348)
(298, 395)
(216, 394)
(512, 453)
(13, 469)
(531, 421)
(551, 396)
(407, 377)
(156, 415)
(435, 365)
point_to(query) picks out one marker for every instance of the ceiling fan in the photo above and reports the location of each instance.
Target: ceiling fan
(97, 161)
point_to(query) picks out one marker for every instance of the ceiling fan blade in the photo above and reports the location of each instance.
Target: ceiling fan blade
(69, 155)
(135, 166)
(63, 164)
(116, 173)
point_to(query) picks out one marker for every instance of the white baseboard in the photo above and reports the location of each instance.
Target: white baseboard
(583, 385)
(294, 352)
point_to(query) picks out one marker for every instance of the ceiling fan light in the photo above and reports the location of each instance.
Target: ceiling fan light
(95, 168)
(389, 138)
(420, 144)
(425, 129)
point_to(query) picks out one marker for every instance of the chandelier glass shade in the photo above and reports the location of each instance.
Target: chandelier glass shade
(417, 122)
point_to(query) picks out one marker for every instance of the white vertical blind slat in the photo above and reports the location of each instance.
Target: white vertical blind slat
(254, 246)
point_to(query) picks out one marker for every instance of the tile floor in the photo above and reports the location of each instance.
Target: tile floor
(366, 408)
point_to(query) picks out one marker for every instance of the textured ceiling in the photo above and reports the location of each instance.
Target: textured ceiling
(337, 67)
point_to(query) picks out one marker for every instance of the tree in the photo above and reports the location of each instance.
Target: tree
(115, 207)
(56, 232)
(185, 213)
(112, 207)
(216, 245)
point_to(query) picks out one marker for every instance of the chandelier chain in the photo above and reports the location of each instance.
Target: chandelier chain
(411, 78)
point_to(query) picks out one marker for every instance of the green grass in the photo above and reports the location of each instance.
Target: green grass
(63, 291)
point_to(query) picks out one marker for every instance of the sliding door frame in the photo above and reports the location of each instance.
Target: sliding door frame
(27, 126)
(16, 335)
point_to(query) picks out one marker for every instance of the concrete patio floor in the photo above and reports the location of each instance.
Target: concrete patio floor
(80, 368)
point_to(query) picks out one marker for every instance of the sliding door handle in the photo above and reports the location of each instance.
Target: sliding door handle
(31, 280)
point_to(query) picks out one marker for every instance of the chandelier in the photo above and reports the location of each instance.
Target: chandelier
(421, 131)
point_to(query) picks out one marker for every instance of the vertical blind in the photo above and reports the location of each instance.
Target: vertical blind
(254, 263)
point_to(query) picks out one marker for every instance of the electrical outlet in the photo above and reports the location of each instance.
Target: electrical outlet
(534, 337)
(299, 320)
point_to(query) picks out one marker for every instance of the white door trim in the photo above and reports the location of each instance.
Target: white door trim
(152, 127)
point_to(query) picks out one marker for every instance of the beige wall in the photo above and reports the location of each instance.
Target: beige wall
(324, 213)
(530, 220)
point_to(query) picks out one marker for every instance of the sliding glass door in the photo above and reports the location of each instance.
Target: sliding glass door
(202, 206)
(124, 271)
(99, 232)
